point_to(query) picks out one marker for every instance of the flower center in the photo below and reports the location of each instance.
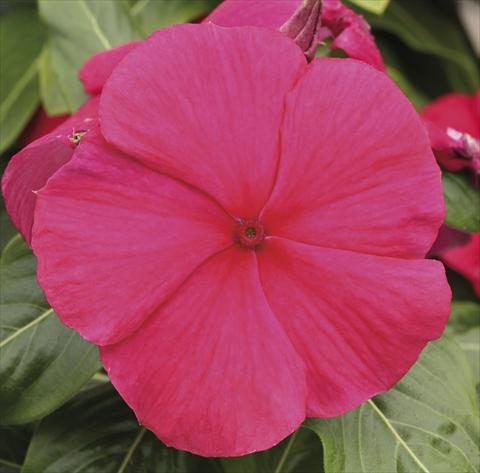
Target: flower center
(250, 233)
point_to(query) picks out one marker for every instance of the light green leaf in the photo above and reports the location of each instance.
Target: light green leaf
(299, 453)
(462, 202)
(53, 100)
(429, 30)
(464, 327)
(375, 6)
(97, 432)
(77, 29)
(43, 363)
(428, 423)
(19, 61)
(151, 15)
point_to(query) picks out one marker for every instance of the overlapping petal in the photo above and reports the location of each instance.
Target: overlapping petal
(114, 240)
(99, 67)
(358, 321)
(350, 31)
(29, 170)
(357, 172)
(212, 371)
(216, 128)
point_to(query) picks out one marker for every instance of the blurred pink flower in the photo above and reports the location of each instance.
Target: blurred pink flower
(244, 236)
(453, 123)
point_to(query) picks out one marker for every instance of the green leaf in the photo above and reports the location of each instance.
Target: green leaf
(299, 453)
(53, 100)
(79, 28)
(43, 363)
(462, 202)
(464, 327)
(21, 39)
(13, 447)
(97, 432)
(375, 6)
(427, 423)
(430, 30)
(418, 99)
(151, 15)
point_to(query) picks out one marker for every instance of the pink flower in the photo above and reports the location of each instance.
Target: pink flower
(30, 169)
(244, 236)
(350, 32)
(453, 123)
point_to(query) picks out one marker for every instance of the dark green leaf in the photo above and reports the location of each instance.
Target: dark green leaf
(427, 423)
(299, 453)
(13, 447)
(78, 28)
(430, 30)
(97, 432)
(151, 15)
(462, 202)
(43, 363)
(19, 59)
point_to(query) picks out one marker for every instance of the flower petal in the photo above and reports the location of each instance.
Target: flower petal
(99, 67)
(264, 13)
(351, 33)
(209, 115)
(458, 111)
(358, 321)
(212, 372)
(29, 170)
(356, 172)
(115, 239)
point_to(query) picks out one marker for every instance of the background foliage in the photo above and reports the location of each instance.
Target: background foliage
(58, 412)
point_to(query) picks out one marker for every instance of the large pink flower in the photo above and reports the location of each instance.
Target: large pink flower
(244, 236)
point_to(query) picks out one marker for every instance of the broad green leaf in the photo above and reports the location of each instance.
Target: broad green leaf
(21, 39)
(462, 202)
(79, 28)
(151, 15)
(429, 30)
(43, 363)
(375, 6)
(97, 432)
(428, 423)
(464, 327)
(13, 447)
(299, 453)
(51, 94)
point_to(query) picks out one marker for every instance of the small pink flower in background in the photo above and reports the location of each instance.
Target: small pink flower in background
(453, 123)
(243, 235)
